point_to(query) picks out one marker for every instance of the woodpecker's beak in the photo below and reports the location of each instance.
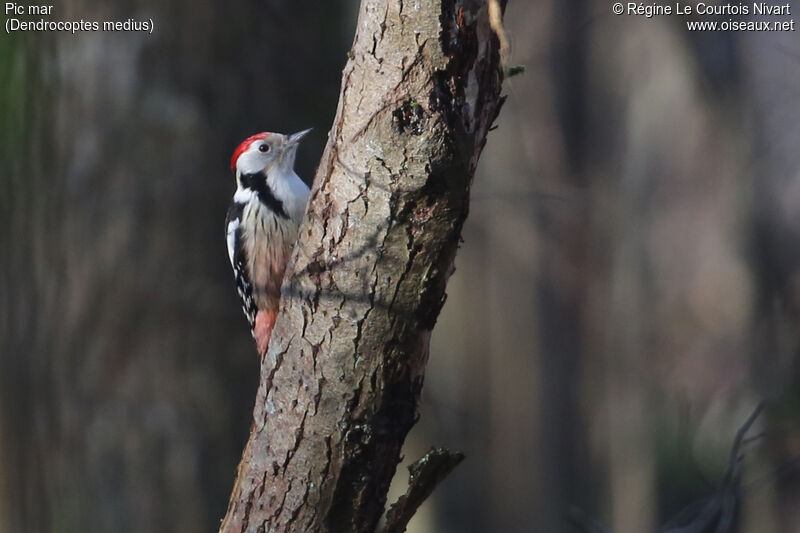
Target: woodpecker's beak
(295, 138)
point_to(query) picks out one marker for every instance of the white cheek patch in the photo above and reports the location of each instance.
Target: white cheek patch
(243, 195)
(253, 161)
(233, 225)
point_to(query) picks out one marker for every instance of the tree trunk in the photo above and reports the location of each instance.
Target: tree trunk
(340, 383)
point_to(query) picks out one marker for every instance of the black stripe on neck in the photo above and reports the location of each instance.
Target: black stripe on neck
(258, 183)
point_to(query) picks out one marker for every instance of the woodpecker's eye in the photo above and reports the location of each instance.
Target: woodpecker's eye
(264, 148)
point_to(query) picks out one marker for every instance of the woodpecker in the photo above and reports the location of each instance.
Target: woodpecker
(262, 224)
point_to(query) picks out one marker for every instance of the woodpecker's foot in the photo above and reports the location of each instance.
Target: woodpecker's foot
(262, 331)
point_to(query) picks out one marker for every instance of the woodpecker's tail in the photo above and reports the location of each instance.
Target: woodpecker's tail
(262, 329)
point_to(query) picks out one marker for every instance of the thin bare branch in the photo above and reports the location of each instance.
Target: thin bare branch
(425, 475)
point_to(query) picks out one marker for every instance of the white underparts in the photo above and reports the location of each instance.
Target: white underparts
(267, 240)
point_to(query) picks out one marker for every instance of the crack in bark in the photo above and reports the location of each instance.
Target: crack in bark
(318, 395)
(409, 264)
(298, 437)
(279, 510)
(269, 379)
(297, 510)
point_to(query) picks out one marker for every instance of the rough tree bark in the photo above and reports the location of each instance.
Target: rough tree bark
(340, 382)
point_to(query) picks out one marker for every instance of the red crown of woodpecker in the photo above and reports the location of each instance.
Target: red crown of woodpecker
(242, 148)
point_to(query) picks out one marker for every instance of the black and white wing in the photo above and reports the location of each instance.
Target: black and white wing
(236, 253)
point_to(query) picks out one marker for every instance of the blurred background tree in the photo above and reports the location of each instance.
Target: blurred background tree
(628, 288)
